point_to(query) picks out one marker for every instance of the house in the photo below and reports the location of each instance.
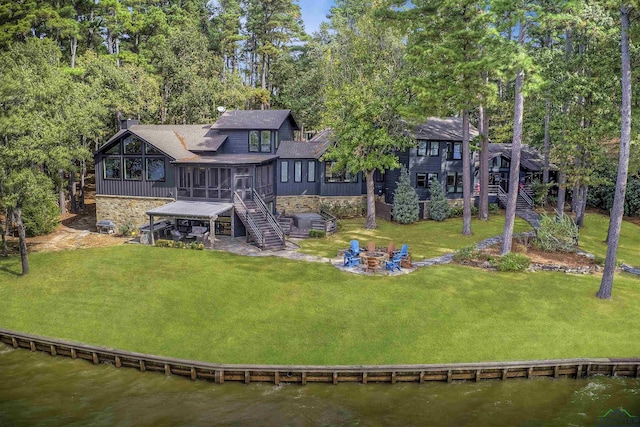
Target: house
(233, 177)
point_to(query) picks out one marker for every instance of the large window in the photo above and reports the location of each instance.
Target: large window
(132, 145)
(254, 141)
(199, 182)
(422, 148)
(331, 175)
(112, 168)
(423, 180)
(454, 150)
(454, 182)
(260, 141)
(311, 171)
(434, 147)
(297, 171)
(499, 162)
(276, 139)
(115, 149)
(133, 168)
(284, 171)
(155, 169)
(219, 183)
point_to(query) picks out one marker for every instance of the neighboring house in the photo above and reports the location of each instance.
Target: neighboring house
(235, 175)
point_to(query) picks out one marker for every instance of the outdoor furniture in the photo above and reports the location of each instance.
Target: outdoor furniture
(176, 235)
(372, 264)
(106, 225)
(352, 255)
(371, 247)
(197, 232)
(391, 249)
(397, 258)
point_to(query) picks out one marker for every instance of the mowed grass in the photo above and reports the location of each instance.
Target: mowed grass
(426, 239)
(219, 307)
(593, 238)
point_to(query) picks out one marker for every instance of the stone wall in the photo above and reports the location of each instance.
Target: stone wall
(305, 204)
(452, 203)
(123, 209)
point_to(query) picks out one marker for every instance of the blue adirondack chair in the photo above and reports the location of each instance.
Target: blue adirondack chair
(352, 255)
(396, 259)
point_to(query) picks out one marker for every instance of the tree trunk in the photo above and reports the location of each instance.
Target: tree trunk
(83, 174)
(3, 230)
(73, 193)
(371, 201)
(615, 221)
(61, 196)
(582, 205)
(466, 176)
(22, 239)
(575, 197)
(74, 50)
(545, 151)
(562, 190)
(483, 211)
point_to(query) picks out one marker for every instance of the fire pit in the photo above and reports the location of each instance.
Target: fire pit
(380, 256)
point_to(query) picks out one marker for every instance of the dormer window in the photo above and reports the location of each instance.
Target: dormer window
(259, 141)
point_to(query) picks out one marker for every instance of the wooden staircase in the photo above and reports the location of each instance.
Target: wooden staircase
(523, 202)
(262, 227)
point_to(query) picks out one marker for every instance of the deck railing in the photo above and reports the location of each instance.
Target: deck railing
(242, 212)
(262, 207)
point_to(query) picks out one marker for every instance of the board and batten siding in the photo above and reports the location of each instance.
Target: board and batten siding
(286, 131)
(338, 188)
(143, 188)
(292, 188)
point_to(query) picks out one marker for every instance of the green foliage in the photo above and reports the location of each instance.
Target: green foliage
(458, 211)
(540, 191)
(126, 229)
(344, 209)
(406, 209)
(465, 254)
(439, 209)
(555, 235)
(493, 208)
(163, 243)
(511, 262)
(41, 216)
(319, 234)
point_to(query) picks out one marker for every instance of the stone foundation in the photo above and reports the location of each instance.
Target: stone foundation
(124, 209)
(305, 204)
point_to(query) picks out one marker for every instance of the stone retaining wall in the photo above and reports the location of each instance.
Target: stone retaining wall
(305, 204)
(124, 209)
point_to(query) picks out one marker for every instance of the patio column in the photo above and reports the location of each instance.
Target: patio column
(151, 240)
(212, 229)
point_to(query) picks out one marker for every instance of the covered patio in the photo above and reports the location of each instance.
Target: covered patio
(187, 212)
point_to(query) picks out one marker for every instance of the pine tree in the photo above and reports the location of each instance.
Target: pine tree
(405, 200)
(439, 207)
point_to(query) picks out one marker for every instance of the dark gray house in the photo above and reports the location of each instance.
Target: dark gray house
(234, 176)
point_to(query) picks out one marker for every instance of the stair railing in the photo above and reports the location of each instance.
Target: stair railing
(262, 207)
(526, 197)
(242, 212)
(502, 196)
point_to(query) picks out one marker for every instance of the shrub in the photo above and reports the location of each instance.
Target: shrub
(41, 218)
(540, 191)
(493, 207)
(196, 245)
(317, 233)
(439, 206)
(511, 262)
(405, 200)
(555, 235)
(456, 212)
(465, 254)
(344, 209)
(164, 243)
(178, 244)
(126, 229)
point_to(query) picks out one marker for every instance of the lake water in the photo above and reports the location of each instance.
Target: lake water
(37, 389)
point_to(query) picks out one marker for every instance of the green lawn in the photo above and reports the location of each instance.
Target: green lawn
(426, 239)
(219, 307)
(594, 234)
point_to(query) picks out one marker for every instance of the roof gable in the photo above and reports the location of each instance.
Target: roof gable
(442, 129)
(254, 119)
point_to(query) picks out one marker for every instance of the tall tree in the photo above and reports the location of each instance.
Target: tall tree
(450, 36)
(363, 63)
(617, 211)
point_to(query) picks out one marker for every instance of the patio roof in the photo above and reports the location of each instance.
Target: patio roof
(197, 210)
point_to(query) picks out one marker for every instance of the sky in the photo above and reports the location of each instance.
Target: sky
(314, 12)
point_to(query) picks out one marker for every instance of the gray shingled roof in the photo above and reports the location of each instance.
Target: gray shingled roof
(254, 119)
(177, 141)
(530, 158)
(227, 159)
(302, 149)
(442, 129)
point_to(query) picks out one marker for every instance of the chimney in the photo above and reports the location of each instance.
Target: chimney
(126, 124)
